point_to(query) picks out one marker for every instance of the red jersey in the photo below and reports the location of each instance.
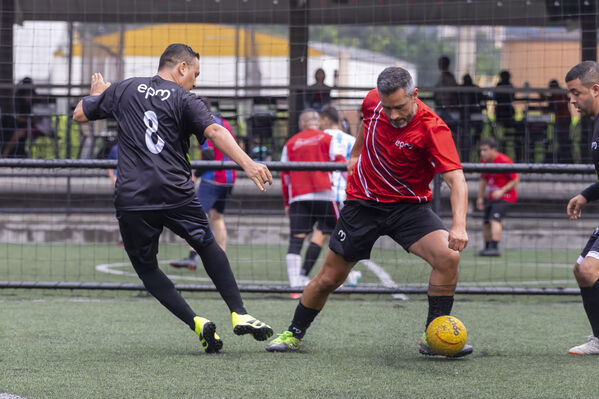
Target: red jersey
(495, 181)
(308, 146)
(398, 164)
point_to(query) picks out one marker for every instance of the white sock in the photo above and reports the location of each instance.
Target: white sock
(294, 265)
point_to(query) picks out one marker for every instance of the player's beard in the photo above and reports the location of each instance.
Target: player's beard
(400, 123)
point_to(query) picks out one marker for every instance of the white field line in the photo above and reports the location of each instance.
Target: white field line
(111, 268)
(380, 272)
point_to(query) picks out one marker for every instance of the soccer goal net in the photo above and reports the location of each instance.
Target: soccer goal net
(58, 229)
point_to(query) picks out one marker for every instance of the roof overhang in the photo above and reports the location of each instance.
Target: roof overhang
(320, 12)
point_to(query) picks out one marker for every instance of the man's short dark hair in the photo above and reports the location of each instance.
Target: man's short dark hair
(176, 53)
(393, 79)
(489, 142)
(328, 111)
(586, 71)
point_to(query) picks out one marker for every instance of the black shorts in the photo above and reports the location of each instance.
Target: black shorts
(361, 223)
(214, 196)
(303, 215)
(140, 231)
(496, 210)
(592, 247)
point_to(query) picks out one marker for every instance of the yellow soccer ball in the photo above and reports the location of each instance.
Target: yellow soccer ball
(446, 335)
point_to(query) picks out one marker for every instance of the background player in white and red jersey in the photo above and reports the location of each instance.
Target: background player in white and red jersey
(308, 196)
(341, 144)
(402, 145)
(501, 190)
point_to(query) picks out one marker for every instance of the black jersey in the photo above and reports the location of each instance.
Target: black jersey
(591, 193)
(156, 118)
(595, 145)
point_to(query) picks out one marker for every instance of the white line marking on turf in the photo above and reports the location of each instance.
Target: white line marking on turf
(109, 268)
(4, 395)
(384, 277)
(380, 272)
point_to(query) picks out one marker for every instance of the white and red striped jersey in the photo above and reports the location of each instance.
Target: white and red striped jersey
(308, 146)
(398, 164)
(342, 143)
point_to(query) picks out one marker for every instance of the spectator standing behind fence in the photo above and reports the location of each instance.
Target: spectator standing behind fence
(500, 190)
(308, 195)
(446, 102)
(26, 124)
(214, 191)
(395, 157)
(471, 114)
(583, 85)
(505, 113)
(154, 187)
(318, 94)
(558, 106)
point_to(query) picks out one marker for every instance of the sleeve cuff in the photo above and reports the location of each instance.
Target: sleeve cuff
(591, 193)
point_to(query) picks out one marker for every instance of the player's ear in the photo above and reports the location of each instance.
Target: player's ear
(415, 92)
(182, 68)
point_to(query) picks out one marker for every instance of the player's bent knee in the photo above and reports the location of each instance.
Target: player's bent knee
(448, 262)
(586, 269)
(329, 282)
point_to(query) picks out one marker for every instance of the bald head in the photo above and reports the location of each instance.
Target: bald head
(309, 119)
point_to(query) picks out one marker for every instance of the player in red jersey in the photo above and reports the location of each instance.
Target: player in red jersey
(501, 189)
(402, 146)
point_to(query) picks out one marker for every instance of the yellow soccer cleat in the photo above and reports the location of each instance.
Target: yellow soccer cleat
(206, 332)
(248, 324)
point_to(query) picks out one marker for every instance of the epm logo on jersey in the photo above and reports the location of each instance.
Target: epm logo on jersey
(151, 92)
(402, 144)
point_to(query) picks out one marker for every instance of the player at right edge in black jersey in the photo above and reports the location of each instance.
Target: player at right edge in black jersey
(156, 117)
(583, 86)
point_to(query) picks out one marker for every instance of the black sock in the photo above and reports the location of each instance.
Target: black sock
(163, 289)
(494, 245)
(438, 306)
(311, 256)
(302, 319)
(486, 244)
(590, 300)
(219, 270)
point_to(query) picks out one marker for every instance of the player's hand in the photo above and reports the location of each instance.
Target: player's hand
(351, 164)
(496, 195)
(480, 204)
(574, 209)
(458, 239)
(98, 85)
(259, 174)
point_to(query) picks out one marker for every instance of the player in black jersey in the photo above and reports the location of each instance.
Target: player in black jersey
(156, 117)
(583, 86)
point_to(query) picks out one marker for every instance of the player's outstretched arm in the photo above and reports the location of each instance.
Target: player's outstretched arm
(458, 237)
(98, 86)
(480, 198)
(222, 139)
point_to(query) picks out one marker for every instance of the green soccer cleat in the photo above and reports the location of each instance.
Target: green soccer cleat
(285, 342)
(206, 332)
(426, 350)
(248, 324)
